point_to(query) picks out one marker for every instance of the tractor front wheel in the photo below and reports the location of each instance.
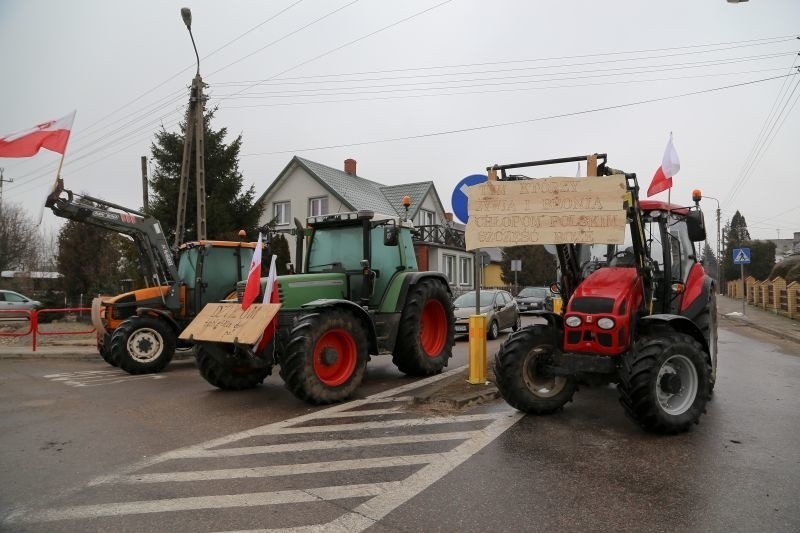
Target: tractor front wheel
(143, 345)
(325, 357)
(521, 376)
(218, 365)
(426, 334)
(104, 347)
(707, 322)
(664, 382)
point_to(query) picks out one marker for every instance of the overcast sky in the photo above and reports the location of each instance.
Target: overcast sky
(418, 90)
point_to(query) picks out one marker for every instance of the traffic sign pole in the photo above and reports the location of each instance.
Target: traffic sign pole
(744, 290)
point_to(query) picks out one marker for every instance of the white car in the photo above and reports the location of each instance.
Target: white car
(14, 301)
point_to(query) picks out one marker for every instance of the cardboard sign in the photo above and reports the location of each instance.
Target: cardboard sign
(220, 322)
(547, 211)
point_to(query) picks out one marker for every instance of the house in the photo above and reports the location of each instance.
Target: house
(305, 188)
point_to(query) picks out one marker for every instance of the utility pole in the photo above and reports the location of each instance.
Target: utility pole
(145, 196)
(195, 131)
(2, 180)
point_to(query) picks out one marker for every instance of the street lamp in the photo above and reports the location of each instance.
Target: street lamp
(186, 15)
(719, 259)
(195, 133)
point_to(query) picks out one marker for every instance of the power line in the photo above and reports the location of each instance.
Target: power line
(519, 122)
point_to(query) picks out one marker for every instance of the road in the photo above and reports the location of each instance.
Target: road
(88, 448)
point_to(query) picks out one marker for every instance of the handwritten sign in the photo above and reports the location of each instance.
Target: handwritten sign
(220, 322)
(546, 211)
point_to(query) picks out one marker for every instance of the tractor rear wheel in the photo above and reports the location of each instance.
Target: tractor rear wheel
(664, 381)
(707, 322)
(217, 364)
(325, 357)
(426, 334)
(518, 369)
(104, 348)
(143, 345)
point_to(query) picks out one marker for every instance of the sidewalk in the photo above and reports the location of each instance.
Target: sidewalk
(729, 309)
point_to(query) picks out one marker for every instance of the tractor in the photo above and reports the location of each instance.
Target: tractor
(641, 315)
(360, 294)
(138, 330)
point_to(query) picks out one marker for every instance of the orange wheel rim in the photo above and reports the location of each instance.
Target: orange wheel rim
(433, 328)
(335, 357)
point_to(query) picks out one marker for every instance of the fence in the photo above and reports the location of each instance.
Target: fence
(33, 321)
(773, 295)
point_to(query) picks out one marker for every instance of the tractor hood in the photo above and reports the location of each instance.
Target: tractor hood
(603, 288)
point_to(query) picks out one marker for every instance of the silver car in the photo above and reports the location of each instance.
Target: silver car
(498, 306)
(14, 301)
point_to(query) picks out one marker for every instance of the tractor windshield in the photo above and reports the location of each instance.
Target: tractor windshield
(336, 249)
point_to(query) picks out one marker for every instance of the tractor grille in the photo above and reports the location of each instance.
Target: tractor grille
(592, 305)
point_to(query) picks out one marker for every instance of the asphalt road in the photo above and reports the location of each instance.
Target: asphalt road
(84, 447)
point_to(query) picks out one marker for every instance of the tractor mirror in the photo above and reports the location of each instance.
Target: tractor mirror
(696, 226)
(555, 289)
(391, 235)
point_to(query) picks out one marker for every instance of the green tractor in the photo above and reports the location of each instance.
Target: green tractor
(360, 294)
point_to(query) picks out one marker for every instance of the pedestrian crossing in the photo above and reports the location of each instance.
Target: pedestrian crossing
(367, 457)
(97, 378)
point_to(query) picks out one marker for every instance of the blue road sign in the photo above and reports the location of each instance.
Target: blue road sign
(741, 256)
(459, 198)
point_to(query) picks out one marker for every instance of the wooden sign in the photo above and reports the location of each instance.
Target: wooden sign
(220, 322)
(546, 211)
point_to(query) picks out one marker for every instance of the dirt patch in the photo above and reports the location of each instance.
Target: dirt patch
(455, 392)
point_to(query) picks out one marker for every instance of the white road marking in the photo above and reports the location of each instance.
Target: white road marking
(95, 378)
(383, 496)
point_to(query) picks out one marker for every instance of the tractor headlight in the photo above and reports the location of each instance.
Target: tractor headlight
(573, 321)
(605, 323)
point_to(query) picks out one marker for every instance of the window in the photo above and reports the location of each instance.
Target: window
(281, 212)
(450, 268)
(427, 218)
(318, 206)
(465, 269)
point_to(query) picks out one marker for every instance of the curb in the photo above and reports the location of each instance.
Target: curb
(84, 355)
(765, 329)
(435, 395)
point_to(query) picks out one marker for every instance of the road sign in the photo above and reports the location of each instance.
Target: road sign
(459, 198)
(741, 256)
(516, 265)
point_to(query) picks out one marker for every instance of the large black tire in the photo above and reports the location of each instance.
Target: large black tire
(143, 345)
(325, 357)
(426, 334)
(104, 348)
(707, 322)
(515, 369)
(224, 375)
(664, 381)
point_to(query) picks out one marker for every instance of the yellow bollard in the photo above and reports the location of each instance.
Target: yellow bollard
(477, 350)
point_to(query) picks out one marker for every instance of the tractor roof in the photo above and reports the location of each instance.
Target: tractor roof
(650, 205)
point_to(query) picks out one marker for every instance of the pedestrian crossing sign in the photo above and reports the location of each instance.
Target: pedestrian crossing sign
(741, 256)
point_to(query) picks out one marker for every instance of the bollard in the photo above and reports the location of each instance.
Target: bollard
(477, 350)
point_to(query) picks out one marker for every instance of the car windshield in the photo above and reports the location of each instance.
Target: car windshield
(468, 299)
(533, 292)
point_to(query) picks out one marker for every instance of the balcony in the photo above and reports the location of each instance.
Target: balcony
(441, 235)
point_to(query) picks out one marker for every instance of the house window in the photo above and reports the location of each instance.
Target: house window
(427, 218)
(465, 271)
(281, 212)
(318, 206)
(450, 268)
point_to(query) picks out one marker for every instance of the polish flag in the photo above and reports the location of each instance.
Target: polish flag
(670, 165)
(253, 286)
(52, 135)
(270, 297)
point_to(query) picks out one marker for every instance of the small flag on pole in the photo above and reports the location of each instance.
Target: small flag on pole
(52, 135)
(670, 165)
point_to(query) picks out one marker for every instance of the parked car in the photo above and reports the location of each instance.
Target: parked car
(14, 301)
(498, 306)
(534, 299)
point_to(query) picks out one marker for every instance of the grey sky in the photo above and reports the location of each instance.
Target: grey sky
(512, 61)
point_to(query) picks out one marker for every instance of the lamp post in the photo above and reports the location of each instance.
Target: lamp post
(195, 132)
(719, 259)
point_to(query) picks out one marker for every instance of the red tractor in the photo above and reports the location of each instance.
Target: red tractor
(641, 315)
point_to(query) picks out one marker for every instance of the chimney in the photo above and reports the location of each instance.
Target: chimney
(350, 166)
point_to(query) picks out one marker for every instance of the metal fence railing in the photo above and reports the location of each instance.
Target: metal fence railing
(36, 318)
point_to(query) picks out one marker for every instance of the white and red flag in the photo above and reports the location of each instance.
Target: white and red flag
(52, 135)
(253, 285)
(670, 165)
(270, 297)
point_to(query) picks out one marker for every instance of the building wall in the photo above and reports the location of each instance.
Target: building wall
(429, 204)
(492, 276)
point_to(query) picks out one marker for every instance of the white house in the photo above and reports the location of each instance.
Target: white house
(305, 188)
